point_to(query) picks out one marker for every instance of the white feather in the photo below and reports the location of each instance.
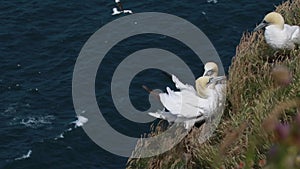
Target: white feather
(282, 38)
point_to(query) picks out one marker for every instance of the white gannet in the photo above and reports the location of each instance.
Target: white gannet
(189, 105)
(120, 9)
(211, 69)
(277, 34)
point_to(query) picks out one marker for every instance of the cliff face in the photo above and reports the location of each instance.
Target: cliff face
(263, 92)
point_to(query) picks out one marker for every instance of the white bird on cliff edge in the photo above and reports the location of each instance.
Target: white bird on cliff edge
(277, 34)
(188, 105)
(211, 69)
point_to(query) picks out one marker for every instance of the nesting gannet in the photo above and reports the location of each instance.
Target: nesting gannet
(211, 69)
(189, 105)
(120, 9)
(277, 34)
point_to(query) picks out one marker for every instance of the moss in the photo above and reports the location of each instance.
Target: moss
(253, 99)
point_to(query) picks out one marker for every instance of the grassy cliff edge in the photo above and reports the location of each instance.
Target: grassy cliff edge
(256, 104)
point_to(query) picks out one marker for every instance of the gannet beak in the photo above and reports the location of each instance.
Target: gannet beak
(208, 73)
(216, 79)
(260, 26)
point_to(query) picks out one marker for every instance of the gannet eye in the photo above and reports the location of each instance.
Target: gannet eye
(265, 22)
(209, 73)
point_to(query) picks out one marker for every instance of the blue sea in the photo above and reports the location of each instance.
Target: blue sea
(39, 44)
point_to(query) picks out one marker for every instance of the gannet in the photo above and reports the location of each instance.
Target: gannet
(211, 69)
(277, 34)
(189, 105)
(120, 9)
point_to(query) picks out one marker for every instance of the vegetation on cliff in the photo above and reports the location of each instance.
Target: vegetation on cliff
(260, 126)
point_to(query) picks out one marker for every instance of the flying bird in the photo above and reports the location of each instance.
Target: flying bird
(119, 9)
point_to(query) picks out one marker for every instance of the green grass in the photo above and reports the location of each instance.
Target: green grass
(256, 103)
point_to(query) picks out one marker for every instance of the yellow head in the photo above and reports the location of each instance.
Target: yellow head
(201, 86)
(272, 18)
(211, 69)
(206, 83)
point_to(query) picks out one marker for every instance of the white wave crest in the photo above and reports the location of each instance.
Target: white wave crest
(24, 156)
(213, 1)
(35, 122)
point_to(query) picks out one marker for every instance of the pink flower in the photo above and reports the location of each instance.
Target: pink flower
(282, 130)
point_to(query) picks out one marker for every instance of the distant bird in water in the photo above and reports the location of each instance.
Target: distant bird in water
(188, 105)
(277, 34)
(120, 9)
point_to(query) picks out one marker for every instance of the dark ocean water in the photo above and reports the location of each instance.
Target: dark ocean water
(39, 44)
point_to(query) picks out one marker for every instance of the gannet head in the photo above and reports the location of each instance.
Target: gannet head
(203, 83)
(211, 69)
(272, 18)
(201, 86)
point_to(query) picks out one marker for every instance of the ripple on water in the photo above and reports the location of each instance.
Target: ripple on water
(33, 121)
